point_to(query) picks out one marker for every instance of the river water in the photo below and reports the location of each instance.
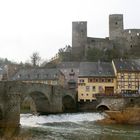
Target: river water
(76, 126)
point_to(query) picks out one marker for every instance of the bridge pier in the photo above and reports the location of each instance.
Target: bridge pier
(9, 105)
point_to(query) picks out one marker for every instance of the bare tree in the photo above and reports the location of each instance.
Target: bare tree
(35, 59)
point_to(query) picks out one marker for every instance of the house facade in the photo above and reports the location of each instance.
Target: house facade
(71, 72)
(95, 78)
(127, 74)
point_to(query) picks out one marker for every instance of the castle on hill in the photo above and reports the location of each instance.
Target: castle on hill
(120, 39)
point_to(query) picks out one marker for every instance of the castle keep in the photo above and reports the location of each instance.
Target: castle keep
(125, 40)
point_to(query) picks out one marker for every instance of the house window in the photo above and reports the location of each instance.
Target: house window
(82, 94)
(122, 85)
(110, 80)
(81, 80)
(90, 80)
(129, 85)
(122, 75)
(96, 80)
(87, 88)
(103, 80)
(93, 88)
(100, 89)
(87, 94)
(129, 76)
(93, 95)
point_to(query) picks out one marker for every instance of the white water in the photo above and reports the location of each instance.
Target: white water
(36, 121)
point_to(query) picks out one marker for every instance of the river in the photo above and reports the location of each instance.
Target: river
(76, 126)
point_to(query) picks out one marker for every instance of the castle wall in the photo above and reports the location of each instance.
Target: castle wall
(99, 43)
(132, 37)
(124, 40)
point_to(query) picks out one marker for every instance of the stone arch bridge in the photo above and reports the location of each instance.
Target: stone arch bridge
(47, 99)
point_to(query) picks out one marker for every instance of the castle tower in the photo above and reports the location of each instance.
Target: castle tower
(115, 26)
(79, 38)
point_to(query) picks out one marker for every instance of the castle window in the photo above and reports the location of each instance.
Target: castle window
(92, 40)
(116, 23)
(131, 37)
(131, 46)
(138, 34)
(129, 31)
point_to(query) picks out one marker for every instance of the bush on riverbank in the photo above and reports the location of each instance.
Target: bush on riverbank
(126, 116)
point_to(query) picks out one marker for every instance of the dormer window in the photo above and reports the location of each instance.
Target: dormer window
(28, 75)
(19, 76)
(37, 75)
(56, 75)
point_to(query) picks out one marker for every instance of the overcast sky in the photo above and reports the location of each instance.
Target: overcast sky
(45, 26)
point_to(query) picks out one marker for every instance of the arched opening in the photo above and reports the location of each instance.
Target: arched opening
(102, 108)
(69, 104)
(28, 105)
(36, 102)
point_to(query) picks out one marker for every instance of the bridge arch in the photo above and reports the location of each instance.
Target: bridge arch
(39, 102)
(102, 107)
(68, 104)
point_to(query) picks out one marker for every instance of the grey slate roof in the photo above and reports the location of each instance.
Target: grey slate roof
(97, 69)
(65, 65)
(127, 65)
(36, 74)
